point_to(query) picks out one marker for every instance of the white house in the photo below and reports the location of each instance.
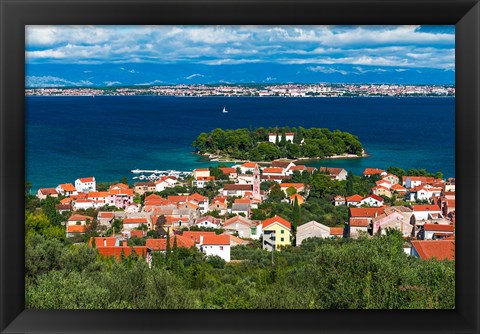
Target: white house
(272, 137)
(85, 184)
(372, 200)
(312, 229)
(66, 189)
(208, 222)
(218, 245)
(437, 231)
(339, 200)
(132, 223)
(83, 204)
(424, 212)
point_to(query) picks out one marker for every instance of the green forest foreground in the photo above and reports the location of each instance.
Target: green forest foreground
(369, 273)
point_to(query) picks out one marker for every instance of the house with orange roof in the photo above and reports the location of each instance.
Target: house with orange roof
(43, 193)
(339, 174)
(354, 200)
(236, 189)
(141, 188)
(433, 249)
(273, 171)
(120, 198)
(85, 184)
(82, 203)
(105, 217)
(66, 189)
(360, 220)
(195, 235)
(75, 230)
(77, 219)
(391, 178)
(436, 231)
(298, 197)
(247, 167)
(132, 223)
(336, 232)
(298, 186)
(208, 222)
(216, 245)
(397, 188)
(220, 205)
(276, 233)
(286, 164)
(382, 191)
(415, 181)
(99, 197)
(384, 183)
(202, 181)
(118, 250)
(374, 171)
(339, 200)
(424, 212)
(61, 208)
(201, 172)
(392, 219)
(372, 200)
(160, 245)
(243, 227)
(230, 172)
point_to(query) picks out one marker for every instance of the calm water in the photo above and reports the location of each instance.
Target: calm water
(71, 137)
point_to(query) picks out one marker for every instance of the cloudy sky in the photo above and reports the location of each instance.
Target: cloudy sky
(147, 55)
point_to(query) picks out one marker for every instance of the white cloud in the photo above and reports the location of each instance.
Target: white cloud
(151, 83)
(194, 76)
(52, 81)
(326, 70)
(112, 83)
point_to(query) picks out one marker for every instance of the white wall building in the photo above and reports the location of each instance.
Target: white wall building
(85, 184)
(218, 245)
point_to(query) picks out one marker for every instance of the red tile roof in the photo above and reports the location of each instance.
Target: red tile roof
(425, 207)
(87, 179)
(68, 187)
(228, 171)
(195, 235)
(277, 170)
(354, 198)
(103, 241)
(439, 249)
(373, 171)
(336, 230)
(222, 239)
(295, 185)
(161, 244)
(96, 194)
(359, 222)
(238, 187)
(140, 220)
(76, 229)
(277, 219)
(48, 191)
(366, 212)
(77, 217)
(378, 198)
(106, 214)
(117, 251)
(249, 164)
(438, 227)
(137, 233)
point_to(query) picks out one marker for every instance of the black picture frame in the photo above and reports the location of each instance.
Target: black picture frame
(15, 14)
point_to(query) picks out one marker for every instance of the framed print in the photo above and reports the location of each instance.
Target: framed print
(239, 166)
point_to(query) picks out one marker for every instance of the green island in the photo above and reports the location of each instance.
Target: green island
(267, 144)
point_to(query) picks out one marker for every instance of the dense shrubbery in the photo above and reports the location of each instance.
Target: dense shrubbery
(341, 274)
(253, 145)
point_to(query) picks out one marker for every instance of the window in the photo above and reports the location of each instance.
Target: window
(281, 239)
(221, 247)
(282, 232)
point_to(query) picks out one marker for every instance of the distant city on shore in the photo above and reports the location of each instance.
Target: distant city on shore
(260, 90)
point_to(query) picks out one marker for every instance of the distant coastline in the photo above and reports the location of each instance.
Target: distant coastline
(254, 90)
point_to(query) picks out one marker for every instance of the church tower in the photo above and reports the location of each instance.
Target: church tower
(256, 183)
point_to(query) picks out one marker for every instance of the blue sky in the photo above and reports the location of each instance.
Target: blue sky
(148, 55)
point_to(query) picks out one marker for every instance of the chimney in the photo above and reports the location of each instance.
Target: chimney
(124, 244)
(201, 240)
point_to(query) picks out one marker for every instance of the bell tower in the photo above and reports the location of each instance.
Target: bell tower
(256, 183)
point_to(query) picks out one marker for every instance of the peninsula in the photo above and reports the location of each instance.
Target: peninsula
(267, 144)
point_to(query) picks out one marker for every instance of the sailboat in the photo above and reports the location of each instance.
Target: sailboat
(224, 110)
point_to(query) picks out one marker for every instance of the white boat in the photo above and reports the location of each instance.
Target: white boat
(224, 110)
(136, 171)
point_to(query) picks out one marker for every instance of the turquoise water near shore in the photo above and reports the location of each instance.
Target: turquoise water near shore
(106, 137)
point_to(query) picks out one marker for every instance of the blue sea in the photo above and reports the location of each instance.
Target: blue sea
(108, 136)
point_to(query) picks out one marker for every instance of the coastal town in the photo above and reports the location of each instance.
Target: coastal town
(270, 90)
(218, 208)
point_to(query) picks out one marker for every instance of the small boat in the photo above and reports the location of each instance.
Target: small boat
(224, 110)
